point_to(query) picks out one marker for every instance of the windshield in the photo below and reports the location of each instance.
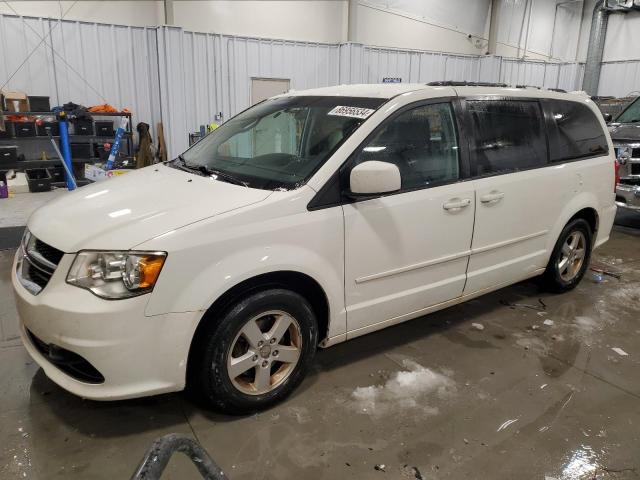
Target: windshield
(631, 114)
(278, 143)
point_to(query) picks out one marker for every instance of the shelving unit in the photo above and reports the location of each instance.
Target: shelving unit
(33, 146)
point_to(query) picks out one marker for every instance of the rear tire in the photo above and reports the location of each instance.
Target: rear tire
(570, 257)
(255, 354)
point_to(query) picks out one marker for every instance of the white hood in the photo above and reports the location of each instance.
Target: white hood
(120, 213)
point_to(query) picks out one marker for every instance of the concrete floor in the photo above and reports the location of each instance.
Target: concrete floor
(519, 398)
(15, 210)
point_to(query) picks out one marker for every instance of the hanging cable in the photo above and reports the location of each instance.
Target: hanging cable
(42, 39)
(55, 52)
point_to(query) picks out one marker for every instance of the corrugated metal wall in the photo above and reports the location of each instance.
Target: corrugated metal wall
(203, 74)
(118, 63)
(570, 76)
(372, 64)
(186, 78)
(620, 79)
(416, 66)
(19, 37)
(567, 76)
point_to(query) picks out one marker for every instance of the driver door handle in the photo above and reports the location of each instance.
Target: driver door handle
(492, 197)
(456, 204)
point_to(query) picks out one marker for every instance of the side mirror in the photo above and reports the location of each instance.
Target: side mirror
(607, 117)
(373, 178)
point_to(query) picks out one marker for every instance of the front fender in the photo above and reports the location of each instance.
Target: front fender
(206, 260)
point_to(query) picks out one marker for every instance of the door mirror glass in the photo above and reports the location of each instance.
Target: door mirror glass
(607, 117)
(374, 177)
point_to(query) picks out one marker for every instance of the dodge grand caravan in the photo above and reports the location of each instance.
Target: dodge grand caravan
(309, 219)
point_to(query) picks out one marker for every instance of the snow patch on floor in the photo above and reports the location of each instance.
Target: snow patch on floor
(415, 389)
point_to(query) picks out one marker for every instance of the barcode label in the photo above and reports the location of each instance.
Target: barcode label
(354, 112)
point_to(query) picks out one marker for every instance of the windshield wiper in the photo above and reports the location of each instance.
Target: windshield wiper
(185, 166)
(222, 175)
(206, 171)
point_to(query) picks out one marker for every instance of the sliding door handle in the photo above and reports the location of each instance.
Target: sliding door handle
(456, 204)
(492, 197)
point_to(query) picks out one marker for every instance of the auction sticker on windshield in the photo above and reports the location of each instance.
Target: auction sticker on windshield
(355, 112)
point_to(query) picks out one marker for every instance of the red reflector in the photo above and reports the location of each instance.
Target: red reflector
(617, 170)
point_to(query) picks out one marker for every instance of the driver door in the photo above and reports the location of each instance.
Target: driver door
(407, 251)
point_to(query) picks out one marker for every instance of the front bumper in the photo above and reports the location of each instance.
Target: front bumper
(137, 355)
(628, 196)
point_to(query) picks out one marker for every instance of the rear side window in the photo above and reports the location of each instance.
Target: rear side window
(574, 131)
(507, 135)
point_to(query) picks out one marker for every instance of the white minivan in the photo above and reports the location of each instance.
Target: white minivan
(309, 219)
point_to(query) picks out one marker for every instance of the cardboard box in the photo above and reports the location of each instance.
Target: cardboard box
(18, 184)
(15, 101)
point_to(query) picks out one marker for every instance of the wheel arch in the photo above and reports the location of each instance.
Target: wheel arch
(583, 205)
(298, 282)
(590, 215)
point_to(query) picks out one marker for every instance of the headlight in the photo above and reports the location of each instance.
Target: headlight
(115, 275)
(623, 154)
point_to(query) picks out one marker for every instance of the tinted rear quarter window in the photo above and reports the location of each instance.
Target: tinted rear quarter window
(507, 136)
(574, 131)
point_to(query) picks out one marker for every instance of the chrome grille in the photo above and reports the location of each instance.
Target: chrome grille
(38, 263)
(49, 253)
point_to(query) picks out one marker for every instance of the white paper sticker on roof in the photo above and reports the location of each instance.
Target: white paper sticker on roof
(355, 112)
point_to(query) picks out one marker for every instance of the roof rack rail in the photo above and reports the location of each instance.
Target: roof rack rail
(451, 83)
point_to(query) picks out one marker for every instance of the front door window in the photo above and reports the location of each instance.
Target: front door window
(422, 142)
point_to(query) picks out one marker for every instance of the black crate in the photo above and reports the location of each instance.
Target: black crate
(8, 154)
(38, 179)
(83, 126)
(8, 130)
(104, 128)
(53, 126)
(25, 129)
(39, 103)
(57, 174)
(80, 150)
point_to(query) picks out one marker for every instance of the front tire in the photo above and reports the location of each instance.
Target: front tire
(570, 257)
(256, 353)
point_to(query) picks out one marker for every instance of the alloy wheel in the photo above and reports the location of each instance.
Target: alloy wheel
(264, 353)
(572, 256)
